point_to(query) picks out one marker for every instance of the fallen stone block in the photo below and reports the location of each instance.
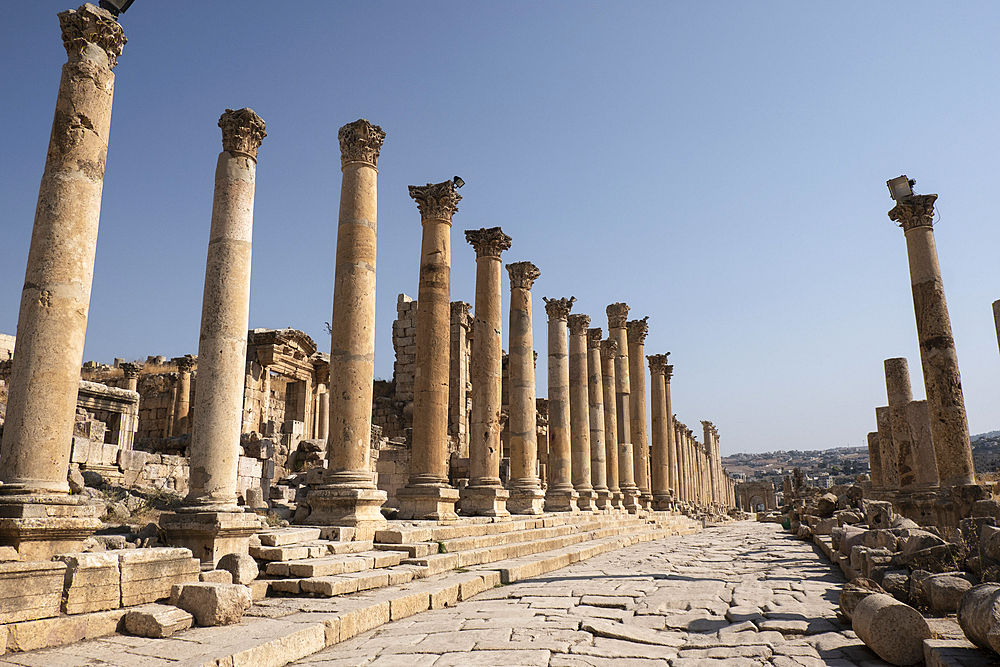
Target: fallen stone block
(854, 592)
(212, 604)
(893, 630)
(216, 577)
(979, 616)
(944, 591)
(156, 620)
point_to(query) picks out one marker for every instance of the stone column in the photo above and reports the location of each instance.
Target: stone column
(526, 495)
(609, 352)
(916, 460)
(711, 493)
(579, 411)
(485, 495)
(637, 330)
(346, 493)
(617, 314)
(942, 382)
(37, 516)
(459, 384)
(887, 449)
(428, 494)
(875, 460)
(131, 372)
(919, 420)
(560, 496)
(323, 416)
(659, 470)
(598, 447)
(210, 523)
(672, 459)
(182, 405)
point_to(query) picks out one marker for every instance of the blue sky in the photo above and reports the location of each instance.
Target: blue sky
(720, 166)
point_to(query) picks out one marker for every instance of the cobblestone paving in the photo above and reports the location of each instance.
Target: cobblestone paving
(739, 595)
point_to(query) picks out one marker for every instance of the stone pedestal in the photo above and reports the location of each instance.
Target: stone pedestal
(35, 514)
(484, 495)
(209, 522)
(636, 332)
(942, 381)
(609, 352)
(560, 495)
(347, 494)
(579, 411)
(659, 471)
(617, 314)
(428, 495)
(598, 448)
(526, 496)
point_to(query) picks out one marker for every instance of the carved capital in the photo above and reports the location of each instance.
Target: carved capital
(522, 275)
(637, 330)
(609, 349)
(360, 141)
(436, 201)
(91, 25)
(617, 314)
(914, 211)
(657, 363)
(242, 132)
(186, 363)
(668, 372)
(558, 309)
(488, 241)
(578, 324)
(460, 312)
(131, 370)
(594, 337)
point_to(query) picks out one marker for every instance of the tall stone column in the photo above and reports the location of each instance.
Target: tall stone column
(672, 474)
(887, 448)
(579, 411)
(484, 494)
(346, 494)
(942, 381)
(131, 372)
(711, 492)
(609, 352)
(210, 523)
(37, 516)
(182, 406)
(526, 495)
(598, 448)
(875, 460)
(636, 332)
(617, 314)
(428, 494)
(659, 470)
(560, 496)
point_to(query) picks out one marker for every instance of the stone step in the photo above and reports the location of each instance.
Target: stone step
(284, 536)
(313, 549)
(414, 550)
(317, 567)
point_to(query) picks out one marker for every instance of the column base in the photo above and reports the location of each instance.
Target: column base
(603, 499)
(41, 526)
(630, 501)
(428, 503)
(360, 509)
(561, 500)
(526, 501)
(485, 501)
(662, 502)
(586, 500)
(646, 500)
(210, 535)
(617, 501)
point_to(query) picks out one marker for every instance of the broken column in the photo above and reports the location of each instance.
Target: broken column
(526, 496)
(887, 449)
(637, 331)
(130, 372)
(37, 515)
(579, 411)
(560, 495)
(428, 494)
(598, 448)
(659, 471)
(942, 381)
(210, 523)
(347, 494)
(485, 495)
(875, 460)
(182, 406)
(617, 313)
(609, 352)
(916, 460)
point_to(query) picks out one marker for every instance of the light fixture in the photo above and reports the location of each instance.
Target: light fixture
(901, 187)
(116, 7)
(458, 181)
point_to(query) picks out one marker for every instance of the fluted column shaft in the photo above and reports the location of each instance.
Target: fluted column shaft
(560, 496)
(609, 351)
(598, 448)
(579, 409)
(939, 360)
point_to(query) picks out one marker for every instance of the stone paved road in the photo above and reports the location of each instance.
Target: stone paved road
(739, 595)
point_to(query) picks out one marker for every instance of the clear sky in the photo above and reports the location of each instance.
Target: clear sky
(720, 166)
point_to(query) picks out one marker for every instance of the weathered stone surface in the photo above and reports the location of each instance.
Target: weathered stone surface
(243, 568)
(156, 620)
(30, 590)
(826, 504)
(212, 604)
(979, 616)
(92, 583)
(897, 584)
(854, 592)
(216, 577)
(945, 590)
(893, 630)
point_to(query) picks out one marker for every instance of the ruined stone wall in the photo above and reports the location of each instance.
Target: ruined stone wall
(393, 468)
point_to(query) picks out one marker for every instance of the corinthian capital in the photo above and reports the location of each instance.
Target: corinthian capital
(488, 241)
(558, 309)
(609, 348)
(436, 201)
(186, 363)
(617, 313)
(360, 141)
(637, 330)
(242, 132)
(594, 337)
(91, 25)
(657, 363)
(522, 275)
(130, 370)
(668, 372)
(578, 324)
(914, 211)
